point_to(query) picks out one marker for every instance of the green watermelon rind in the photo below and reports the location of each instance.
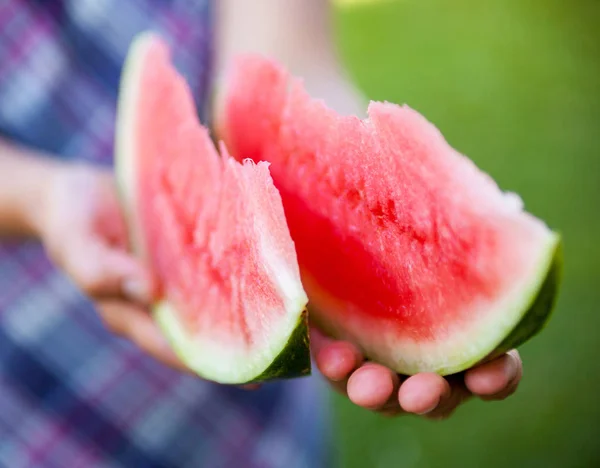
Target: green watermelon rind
(538, 305)
(287, 359)
(540, 310)
(289, 353)
(294, 360)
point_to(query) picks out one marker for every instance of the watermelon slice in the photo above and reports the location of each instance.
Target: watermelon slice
(212, 231)
(405, 247)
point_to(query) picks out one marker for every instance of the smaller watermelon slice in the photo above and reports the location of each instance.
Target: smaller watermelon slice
(405, 247)
(211, 230)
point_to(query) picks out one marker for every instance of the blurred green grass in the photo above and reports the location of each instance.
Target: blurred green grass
(515, 85)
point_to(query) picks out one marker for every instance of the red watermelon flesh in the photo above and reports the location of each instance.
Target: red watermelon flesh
(405, 246)
(212, 231)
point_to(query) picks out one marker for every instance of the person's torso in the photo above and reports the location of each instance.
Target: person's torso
(60, 65)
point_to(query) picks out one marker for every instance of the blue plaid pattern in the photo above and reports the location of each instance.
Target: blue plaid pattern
(71, 394)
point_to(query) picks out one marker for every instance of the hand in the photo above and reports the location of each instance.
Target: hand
(84, 233)
(377, 388)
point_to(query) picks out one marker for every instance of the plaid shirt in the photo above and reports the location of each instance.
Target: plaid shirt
(71, 394)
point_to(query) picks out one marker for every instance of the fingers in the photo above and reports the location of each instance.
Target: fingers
(377, 388)
(335, 359)
(436, 397)
(496, 380)
(135, 324)
(431, 395)
(373, 387)
(86, 236)
(109, 222)
(102, 272)
(369, 385)
(422, 393)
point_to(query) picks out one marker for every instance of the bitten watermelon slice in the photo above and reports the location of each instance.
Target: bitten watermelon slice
(405, 247)
(212, 231)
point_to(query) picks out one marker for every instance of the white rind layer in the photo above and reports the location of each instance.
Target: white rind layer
(125, 148)
(211, 359)
(227, 364)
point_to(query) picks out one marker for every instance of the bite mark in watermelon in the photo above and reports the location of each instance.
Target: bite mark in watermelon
(405, 247)
(211, 230)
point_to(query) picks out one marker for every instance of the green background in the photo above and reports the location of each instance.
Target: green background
(514, 84)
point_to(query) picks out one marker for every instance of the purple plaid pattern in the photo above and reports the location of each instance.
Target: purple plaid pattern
(71, 394)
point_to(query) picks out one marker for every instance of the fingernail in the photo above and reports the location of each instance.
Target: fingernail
(136, 290)
(511, 367)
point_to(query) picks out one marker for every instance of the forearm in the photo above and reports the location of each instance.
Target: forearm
(24, 176)
(299, 34)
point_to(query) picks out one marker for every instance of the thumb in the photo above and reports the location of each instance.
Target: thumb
(102, 271)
